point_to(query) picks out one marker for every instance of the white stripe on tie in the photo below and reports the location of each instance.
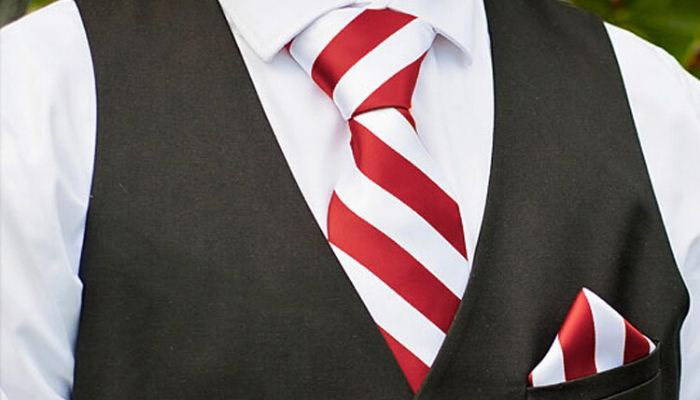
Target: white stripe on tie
(392, 313)
(311, 42)
(405, 227)
(402, 48)
(395, 131)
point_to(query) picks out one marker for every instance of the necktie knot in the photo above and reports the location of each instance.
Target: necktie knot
(364, 59)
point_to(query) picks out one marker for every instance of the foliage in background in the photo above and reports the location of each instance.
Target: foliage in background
(11, 9)
(671, 24)
(36, 4)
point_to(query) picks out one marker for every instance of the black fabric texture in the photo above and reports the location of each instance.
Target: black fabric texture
(206, 276)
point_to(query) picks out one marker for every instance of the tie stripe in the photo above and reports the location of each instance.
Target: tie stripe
(398, 86)
(594, 338)
(392, 313)
(351, 44)
(395, 54)
(390, 170)
(392, 220)
(400, 135)
(399, 222)
(306, 47)
(392, 264)
(414, 369)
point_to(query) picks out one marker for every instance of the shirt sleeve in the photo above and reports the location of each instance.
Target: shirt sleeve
(691, 333)
(665, 104)
(694, 89)
(47, 135)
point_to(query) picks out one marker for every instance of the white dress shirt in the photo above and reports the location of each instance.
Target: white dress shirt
(47, 141)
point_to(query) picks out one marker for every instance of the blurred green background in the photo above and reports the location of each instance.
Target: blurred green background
(671, 24)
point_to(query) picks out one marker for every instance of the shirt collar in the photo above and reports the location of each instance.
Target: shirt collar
(268, 25)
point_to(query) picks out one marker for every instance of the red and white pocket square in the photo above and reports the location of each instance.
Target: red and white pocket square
(594, 338)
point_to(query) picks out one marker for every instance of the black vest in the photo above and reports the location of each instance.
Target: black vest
(206, 276)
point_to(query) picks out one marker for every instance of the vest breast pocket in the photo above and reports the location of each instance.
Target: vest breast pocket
(639, 380)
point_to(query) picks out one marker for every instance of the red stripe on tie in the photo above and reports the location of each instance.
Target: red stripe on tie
(636, 345)
(353, 42)
(398, 176)
(396, 92)
(414, 369)
(391, 263)
(577, 338)
(408, 117)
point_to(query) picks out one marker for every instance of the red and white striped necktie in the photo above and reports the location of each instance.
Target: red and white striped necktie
(392, 220)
